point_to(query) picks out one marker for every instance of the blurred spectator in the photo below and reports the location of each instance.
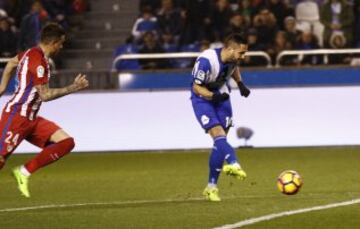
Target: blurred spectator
(195, 15)
(337, 16)
(338, 41)
(128, 48)
(16, 9)
(253, 41)
(308, 41)
(357, 23)
(246, 10)
(278, 45)
(146, 23)
(289, 8)
(152, 4)
(237, 24)
(308, 19)
(3, 12)
(292, 34)
(168, 42)
(258, 4)
(151, 45)
(169, 46)
(75, 8)
(79, 6)
(31, 25)
(220, 17)
(265, 24)
(169, 18)
(7, 39)
(254, 45)
(57, 11)
(280, 11)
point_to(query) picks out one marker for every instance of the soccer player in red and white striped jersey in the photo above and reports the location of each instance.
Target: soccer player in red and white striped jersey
(20, 121)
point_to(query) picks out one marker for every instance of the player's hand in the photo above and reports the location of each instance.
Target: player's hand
(217, 97)
(244, 91)
(80, 82)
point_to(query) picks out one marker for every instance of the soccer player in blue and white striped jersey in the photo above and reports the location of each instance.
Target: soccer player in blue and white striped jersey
(211, 103)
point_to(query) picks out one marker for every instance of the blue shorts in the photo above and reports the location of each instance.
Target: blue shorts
(210, 114)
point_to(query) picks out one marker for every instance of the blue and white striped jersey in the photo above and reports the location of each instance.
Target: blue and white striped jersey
(209, 69)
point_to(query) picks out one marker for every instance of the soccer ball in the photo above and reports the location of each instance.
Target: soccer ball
(289, 182)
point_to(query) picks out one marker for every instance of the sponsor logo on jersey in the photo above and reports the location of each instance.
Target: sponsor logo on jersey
(40, 71)
(205, 119)
(200, 75)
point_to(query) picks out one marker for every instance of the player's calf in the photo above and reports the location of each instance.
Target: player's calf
(50, 154)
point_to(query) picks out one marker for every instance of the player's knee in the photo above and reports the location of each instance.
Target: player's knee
(217, 131)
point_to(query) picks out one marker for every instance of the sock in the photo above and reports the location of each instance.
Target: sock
(225, 148)
(216, 161)
(50, 154)
(24, 171)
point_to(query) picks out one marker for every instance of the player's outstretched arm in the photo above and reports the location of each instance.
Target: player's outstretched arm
(7, 73)
(47, 94)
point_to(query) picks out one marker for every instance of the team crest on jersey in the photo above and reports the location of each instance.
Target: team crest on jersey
(40, 71)
(205, 119)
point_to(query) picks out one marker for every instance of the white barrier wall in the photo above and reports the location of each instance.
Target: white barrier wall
(165, 120)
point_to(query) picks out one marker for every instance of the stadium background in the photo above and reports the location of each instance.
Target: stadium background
(101, 31)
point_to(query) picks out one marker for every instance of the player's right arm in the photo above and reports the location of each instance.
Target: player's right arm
(7, 73)
(46, 93)
(200, 72)
(202, 91)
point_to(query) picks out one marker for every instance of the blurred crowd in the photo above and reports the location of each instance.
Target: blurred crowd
(269, 25)
(21, 21)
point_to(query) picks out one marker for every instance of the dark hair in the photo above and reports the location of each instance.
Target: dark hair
(51, 32)
(236, 38)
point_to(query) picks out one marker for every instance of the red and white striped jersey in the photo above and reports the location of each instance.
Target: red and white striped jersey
(33, 69)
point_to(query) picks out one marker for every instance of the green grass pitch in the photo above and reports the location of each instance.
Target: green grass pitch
(163, 190)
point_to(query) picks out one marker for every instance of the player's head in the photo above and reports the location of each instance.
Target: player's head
(53, 36)
(235, 46)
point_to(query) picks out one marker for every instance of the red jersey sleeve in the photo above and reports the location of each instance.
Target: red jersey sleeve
(38, 68)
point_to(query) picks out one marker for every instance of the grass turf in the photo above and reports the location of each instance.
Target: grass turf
(163, 190)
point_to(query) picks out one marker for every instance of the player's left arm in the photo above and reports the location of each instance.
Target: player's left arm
(244, 91)
(8, 73)
(46, 93)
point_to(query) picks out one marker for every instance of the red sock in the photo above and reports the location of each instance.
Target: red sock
(50, 154)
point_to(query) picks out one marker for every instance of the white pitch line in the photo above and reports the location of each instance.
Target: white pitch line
(287, 213)
(129, 202)
(55, 206)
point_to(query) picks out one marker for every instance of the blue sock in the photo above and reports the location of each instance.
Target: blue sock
(216, 161)
(225, 149)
